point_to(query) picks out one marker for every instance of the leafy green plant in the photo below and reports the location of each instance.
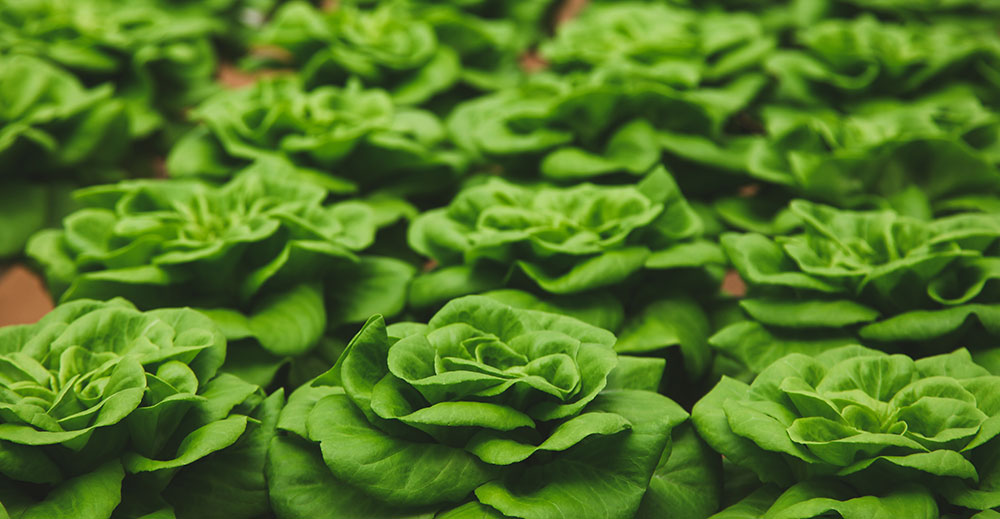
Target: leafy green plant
(581, 126)
(486, 411)
(679, 47)
(565, 240)
(525, 21)
(54, 134)
(871, 420)
(346, 139)
(385, 48)
(878, 154)
(865, 57)
(490, 49)
(266, 258)
(241, 19)
(158, 59)
(574, 298)
(112, 412)
(819, 498)
(597, 253)
(903, 8)
(923, 287)
(417, 53)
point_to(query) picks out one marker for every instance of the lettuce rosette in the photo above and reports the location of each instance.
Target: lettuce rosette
(563, 240)
(863, 57)
(901, 284)
(386, 47)
(528, 12)
(159, 60)
(241, 19)
(266, 258)
(875, 425)
(490, 49)
(525, 22)
(592, 124)
(882, 153)
(54, 134)
(679, 47)
(485, 411)
(345, 139)
(598, 253)
(111, 412)
(417, 53)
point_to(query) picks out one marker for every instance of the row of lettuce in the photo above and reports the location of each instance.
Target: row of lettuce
(539, 224)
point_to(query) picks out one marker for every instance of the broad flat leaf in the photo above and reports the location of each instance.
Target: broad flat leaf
(378, 286)
(751, 507)
(93, 495)
(694, 254)
(229, 483)
(633, 148)
(762, 262)
(792, 313)
(300, 485)
(925, 325)
(473, 510)
(605, 269)
(601, 309)
(757, 346)
(289, 323)
(396, 471)
(200, 443)
(23, 209)
(712, 424)
(816, 499)
(607, 476)
(641, 373)
(675, 321)
(687, 483)
(498, 449)
(450, 282)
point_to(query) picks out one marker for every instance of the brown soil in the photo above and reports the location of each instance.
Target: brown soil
(23, 297)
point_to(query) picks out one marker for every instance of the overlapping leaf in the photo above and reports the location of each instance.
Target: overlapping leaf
(259, 254)
(159, 60)
(105, 408)
(486, 410)
(342, 138)
(54, 134)
(598, 123)
(566, 240)
(871, 276)
(869, 419)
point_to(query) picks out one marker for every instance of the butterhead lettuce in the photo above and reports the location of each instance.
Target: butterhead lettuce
(266, 258)
(485, 411)
(111, 412)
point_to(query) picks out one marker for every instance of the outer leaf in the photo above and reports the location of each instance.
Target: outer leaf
(94, 495)
(712, 424)
(808, 314)
(607, 476)
(687, 483)
(378, 287)
(390, 469)
(757, 346)
(603, 270)
(290, 323)
(669, 322)
(200, 443)
(301, 485)
(809, 500)
(229, 483)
